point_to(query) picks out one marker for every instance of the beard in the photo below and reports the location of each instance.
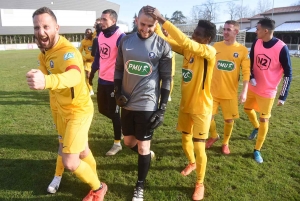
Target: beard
(48, 42)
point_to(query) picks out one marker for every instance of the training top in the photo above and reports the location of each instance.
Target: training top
(197, 70)
(269, 61)
(141, 65)
(86, 46)
(229, 60)
(66, 78)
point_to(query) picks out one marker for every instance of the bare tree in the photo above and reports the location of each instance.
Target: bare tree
(263, 5)
(243, 11)
(232, 10)
(206, 11)
(296, 4)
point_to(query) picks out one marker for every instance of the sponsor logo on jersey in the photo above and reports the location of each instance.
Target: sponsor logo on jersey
(138, 68)
(69, 55)
(187, 75)
(225, 65)
(235, 55)
(151, 55)
(263, 61)
(191, 60)
(90, 48)
(51, 64)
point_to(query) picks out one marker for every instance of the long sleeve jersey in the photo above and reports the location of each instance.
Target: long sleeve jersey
(141, 65)
(197, 70)
(229, 60)
(66, 78)
(268, 63)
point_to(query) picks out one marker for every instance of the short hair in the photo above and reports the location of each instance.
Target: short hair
(43, 10)
(143, 12)
(234, 23)
(88, 29)
(111, 13)
(210, 29)
(267, 23)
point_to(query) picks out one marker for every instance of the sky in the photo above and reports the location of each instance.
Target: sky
(129, 7)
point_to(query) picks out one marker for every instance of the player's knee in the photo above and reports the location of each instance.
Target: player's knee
(263, 119)
(198, 140)
(228, 120)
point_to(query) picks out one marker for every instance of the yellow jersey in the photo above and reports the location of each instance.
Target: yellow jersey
(66, 78)
(229, 60)
(86, 46)
(197, 70)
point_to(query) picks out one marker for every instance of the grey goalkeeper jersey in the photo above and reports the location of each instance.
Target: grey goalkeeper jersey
(143, 65)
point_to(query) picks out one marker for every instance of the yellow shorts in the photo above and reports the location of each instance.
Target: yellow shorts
(229, 108)
(88, 66)
(75, 134)
(260, 104)
(197, 124)
(58, 125)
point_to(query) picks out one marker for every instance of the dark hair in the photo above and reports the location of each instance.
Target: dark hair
(267, 23)
(44, 10)
(210, 29)
(111, 13)
(234, 23)
(98, 29)
(88, 29)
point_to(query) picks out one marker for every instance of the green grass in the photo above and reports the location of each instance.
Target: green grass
(28, 148)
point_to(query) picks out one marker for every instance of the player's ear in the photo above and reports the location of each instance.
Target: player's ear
(136, 20)
(57, 28)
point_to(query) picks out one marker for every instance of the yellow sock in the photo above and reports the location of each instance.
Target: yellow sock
(59, 170)
(90, 160)
(252, 117)
(262, 133)
(227, 131)
(117, 141)
(188, 147)
(88, 85)
(85, 173)
(213, 129)
(172, 85)
(201, 160)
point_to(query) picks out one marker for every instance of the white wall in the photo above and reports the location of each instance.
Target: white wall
(29, 46)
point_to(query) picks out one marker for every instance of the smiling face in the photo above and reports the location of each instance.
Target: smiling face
(229, 32)
(45, 30)
(146, 25)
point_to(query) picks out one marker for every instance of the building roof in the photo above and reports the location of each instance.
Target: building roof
(289, 27)
(289, 9)
(243, 20)
(257, 16)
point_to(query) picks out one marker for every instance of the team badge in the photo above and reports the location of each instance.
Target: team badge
(69, 55)
(151, 55)
(235, 55)
(51, 64)
(191, 60)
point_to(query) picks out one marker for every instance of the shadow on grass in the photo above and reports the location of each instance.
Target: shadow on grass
(24, 97)
(28, 177)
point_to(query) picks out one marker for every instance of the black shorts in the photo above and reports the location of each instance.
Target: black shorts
(136, 123)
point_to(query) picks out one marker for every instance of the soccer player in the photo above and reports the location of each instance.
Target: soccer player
(173, 65)
(86, 46)
(142, 77)
(66, 78)
(270, 59)
(105, 59)
(231, 56)
(196, 100)
(54, 185)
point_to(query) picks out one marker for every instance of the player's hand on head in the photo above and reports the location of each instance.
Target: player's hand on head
(35, 79)
(152, 11)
